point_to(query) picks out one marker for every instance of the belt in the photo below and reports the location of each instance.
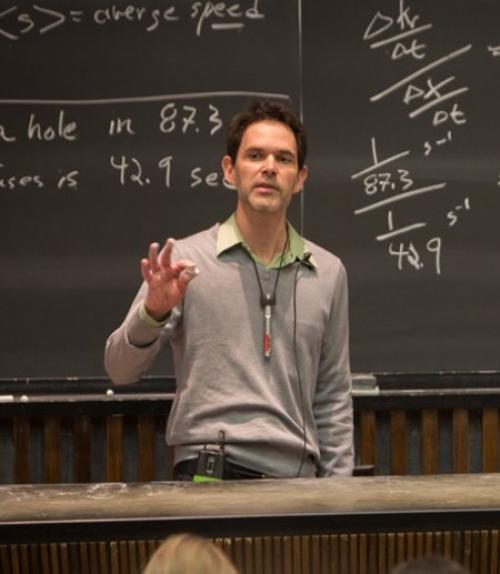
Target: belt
(186, 469)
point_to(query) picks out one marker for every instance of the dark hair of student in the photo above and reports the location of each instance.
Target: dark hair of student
(430, 565)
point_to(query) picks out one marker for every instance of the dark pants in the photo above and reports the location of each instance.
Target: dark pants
(186, 469)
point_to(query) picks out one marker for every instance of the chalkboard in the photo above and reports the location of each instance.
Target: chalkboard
(402, 101)
(112, 121)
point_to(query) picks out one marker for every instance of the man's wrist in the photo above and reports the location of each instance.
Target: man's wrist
(151, 318)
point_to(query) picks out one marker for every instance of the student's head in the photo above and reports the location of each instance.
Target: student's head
(265, 111)
(430, 565)
(188, 554)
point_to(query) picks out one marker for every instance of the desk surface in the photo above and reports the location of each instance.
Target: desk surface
(321, 501)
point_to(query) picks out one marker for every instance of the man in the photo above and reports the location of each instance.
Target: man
(260, 338)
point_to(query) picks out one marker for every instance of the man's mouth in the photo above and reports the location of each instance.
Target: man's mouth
(265, 186)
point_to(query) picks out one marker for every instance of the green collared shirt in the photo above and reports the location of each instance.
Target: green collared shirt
(229, 236)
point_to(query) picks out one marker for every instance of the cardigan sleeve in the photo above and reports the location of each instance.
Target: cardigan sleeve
(132, 348)
(332, 405)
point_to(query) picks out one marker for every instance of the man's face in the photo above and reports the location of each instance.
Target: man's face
(266, 172)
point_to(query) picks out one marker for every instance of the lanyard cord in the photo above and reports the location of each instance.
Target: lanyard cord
(268, 300)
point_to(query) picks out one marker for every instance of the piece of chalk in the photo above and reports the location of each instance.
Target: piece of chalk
(24, 398)
(110, 392)
(6, 398)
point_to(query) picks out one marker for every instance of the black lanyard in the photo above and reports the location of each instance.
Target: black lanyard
(268, 300)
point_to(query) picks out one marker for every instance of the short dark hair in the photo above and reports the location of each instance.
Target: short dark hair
(430, 565)
(260, 111)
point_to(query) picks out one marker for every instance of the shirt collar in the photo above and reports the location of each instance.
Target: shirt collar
(229, 236)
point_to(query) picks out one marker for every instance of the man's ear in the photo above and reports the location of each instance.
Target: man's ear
(303, 173)
(227, 169)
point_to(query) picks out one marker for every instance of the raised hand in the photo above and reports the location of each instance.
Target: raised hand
(167, 281)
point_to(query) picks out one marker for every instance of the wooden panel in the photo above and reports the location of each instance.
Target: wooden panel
(24, 440)
(457, 547)
(133, 557)
(296, 555)
(447, 545)
(248, 555)
(353, 554)
(35, 559)
(24, 558)
(104, 558)
(65, 559)
(429, 447)
(277, 555)
(400, 547)
(146, 448)
(238, 554)
(114, 448)
(22, 449)
(367, 441)
(335, 553)
(82, 443)
(14, 559)
(399, 451)
(372, 553)
(268, 555)
(325, 554)
(460, 438)
(382, 553)
(81, 559)
(54, 558)
(363, 553)
(142, 553)
(494, 553)
(304, 557)
(467, 549)
(484, 550)
(45, 559)
(345, 565)
(391, 550)
(124, 564)
(410, 546)
(114, 558)
(490, 425)
(4, 558)
(476, 551)
(315, 555)
(52, 450)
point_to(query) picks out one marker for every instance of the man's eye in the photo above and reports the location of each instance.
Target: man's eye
(254, 155)
(284, 159)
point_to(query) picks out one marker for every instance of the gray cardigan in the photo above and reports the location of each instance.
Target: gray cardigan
(224, 382)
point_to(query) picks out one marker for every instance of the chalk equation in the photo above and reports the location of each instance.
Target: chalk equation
(16, 22)
(390, 185)
(426, 91)
(118, 140)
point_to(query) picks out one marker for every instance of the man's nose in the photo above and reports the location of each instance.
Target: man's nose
(269, 165)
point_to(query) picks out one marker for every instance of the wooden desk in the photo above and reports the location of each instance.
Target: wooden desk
(348, 525)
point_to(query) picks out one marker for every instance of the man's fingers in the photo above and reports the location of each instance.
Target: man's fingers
(153, 256)
(186, 276)
(165, 258)
(146, 270)
(160, 265)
